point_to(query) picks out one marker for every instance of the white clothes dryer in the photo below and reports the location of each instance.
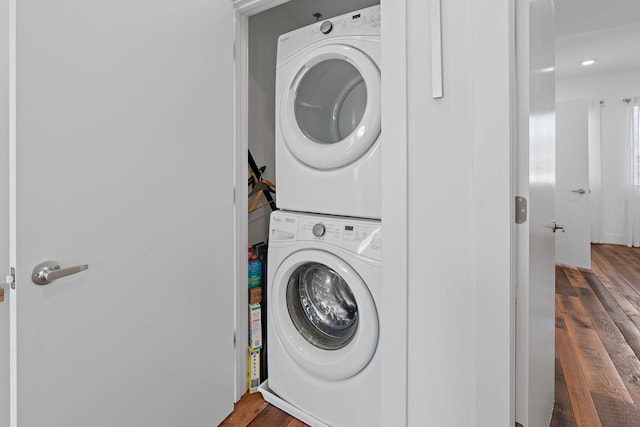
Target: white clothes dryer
(328, 116)
(323, 285)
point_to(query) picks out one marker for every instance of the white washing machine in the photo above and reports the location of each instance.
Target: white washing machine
(328, 116)
(323, 285)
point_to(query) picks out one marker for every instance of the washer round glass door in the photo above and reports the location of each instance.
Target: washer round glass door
(330, 114)
(322, 306)
(324, 314)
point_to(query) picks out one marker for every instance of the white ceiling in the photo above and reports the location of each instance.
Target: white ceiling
(608, 30)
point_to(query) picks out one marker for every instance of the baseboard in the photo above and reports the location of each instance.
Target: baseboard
(614, 239)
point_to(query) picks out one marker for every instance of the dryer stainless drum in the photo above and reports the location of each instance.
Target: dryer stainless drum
(324, 280)
(328, 116)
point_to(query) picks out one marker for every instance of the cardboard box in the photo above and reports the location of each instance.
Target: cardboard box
(255, 295)
(253, 370)
(255, 326)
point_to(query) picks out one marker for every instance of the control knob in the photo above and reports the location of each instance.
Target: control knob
(326, 27)
(318, 230)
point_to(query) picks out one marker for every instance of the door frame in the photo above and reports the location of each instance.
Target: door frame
(243, 9)
(13, 124)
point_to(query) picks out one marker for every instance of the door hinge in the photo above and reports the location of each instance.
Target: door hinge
(10, 279)
(234, 341)
(521, 210)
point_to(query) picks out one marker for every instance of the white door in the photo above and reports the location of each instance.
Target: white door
(535, 315)
(124, 163)
(573, 247)
(4, 215)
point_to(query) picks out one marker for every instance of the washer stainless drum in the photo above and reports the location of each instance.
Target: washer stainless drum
(328, 116)
(323, 281)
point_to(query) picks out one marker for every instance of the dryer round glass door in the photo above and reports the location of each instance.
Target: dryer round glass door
(323, 314)
(330, 109)
(330, 101)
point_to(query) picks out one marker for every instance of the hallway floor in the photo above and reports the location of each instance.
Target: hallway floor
(598, 340)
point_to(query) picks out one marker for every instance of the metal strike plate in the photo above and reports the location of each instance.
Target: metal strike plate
(521, 210)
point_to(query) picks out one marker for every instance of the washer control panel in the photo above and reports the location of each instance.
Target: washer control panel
(361, 236)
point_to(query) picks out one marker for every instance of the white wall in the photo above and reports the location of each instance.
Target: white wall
(264, 29)
(459, 218)
(610, 88)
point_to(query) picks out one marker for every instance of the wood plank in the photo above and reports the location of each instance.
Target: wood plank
(296, 423)
(611, 398)
(253, 410)
(624, 254)
(271, 417)
(245, 410)
(563, 287)
(623, 322)
(583, 407)
(562, 410)
(609, 260)
(619, 351)
(626, 262)
(624, 294)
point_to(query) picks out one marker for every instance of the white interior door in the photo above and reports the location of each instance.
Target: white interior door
(535, 258)
(4, 213)
(573, 247)
(124, 163)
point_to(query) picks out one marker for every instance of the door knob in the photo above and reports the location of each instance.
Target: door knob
(47, 272)
(555, 227)
(579, 191)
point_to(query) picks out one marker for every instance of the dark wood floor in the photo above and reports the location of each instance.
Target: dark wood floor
(598, 340)
(597, 348)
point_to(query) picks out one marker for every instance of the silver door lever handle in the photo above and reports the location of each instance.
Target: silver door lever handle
(47, 272)
(579, 191)
(555, 227)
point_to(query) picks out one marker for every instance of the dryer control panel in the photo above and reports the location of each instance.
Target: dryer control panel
(360, 236)
(358, 24)
(342, 23)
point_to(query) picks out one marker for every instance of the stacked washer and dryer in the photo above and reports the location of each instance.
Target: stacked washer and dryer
(325, 244)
